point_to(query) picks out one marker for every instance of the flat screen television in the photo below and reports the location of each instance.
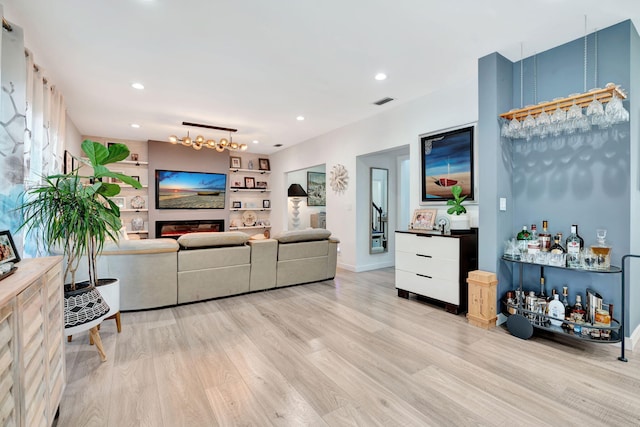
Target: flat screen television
(190, 190)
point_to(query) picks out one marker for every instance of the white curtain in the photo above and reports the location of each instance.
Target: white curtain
(32, 129)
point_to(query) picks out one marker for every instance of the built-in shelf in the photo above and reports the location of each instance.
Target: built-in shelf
(133, 210)
(132, 187)
(254, 227)
(261, 172)
(132, 162)
(138, 232)
(249, 190)
(249, 209)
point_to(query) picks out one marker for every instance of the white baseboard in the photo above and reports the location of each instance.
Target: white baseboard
(633, 339)
(376, 266)
(347, 267)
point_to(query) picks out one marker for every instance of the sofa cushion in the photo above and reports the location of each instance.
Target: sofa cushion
(211, 240)
(308, 235)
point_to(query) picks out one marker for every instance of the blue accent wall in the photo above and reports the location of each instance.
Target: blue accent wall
(581, 179)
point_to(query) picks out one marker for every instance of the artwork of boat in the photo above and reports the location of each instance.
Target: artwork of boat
(445, 182)
(208, 193)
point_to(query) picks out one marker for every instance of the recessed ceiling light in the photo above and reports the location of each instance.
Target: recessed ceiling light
(135, 125)
(138, 86)
(300, 118)
(255, 141)
(381, 76)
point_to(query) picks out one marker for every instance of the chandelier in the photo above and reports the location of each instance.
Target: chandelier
(199, 141)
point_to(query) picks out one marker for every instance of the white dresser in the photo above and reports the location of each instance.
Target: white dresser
(435, 266)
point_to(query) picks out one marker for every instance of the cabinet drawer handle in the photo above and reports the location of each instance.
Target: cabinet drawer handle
(424, 235)
(424, 275)
(424, 256)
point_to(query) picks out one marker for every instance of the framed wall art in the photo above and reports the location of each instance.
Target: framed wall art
(316, 189)
(263, 165)
(236, 162)
(447, 160)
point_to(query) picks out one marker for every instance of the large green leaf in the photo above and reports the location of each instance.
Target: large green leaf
(96, 152)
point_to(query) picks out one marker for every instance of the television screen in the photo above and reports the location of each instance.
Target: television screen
(190, 190)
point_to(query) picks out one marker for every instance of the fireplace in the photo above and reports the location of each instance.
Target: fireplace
(175, 229)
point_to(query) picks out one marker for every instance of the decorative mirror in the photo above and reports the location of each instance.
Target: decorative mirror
(379, 183)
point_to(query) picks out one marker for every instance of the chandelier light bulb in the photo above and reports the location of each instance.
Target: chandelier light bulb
(199, 139)
(211, 143)
(173, 139)
(219, 148)
(234, 145)
(243, 147)
(186, 141)
(224, 142)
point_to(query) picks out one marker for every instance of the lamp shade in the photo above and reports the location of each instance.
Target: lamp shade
(296, 190)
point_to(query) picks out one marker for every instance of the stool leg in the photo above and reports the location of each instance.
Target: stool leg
(118, 324)
(96, 338)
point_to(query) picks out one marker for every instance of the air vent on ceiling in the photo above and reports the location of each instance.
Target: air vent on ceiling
(383, 101)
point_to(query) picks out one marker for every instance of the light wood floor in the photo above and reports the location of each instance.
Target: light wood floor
(343, 352)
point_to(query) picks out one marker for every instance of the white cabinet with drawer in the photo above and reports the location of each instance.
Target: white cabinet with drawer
(435, 266)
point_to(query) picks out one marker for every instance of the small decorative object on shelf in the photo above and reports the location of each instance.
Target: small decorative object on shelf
(137, 202)
(236, 162)
(266, 204)
(263, 165)
(134, 157)
(137, 224)
(249, 218)
(236, 204)
(250, 165)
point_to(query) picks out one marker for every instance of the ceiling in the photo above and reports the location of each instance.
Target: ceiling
(255, 65)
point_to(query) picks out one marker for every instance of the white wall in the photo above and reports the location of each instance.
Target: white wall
(392, 128)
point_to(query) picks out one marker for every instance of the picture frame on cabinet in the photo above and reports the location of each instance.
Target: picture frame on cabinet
(261, 185)
(236, 204)
(263, 165)
(235, 162)
(8, 251)
(266, 204)
(423, 219)
(249, 182)
(120, 202)
(447, 160)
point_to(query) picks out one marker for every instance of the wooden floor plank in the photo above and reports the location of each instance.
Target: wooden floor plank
(347, 351)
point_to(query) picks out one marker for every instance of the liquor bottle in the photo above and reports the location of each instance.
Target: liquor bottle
(556, 311)
(557, 248)
(542, 293)
(565, 302)
(578, 312)
(545, 238)
(574, 244)
(523, 238)
(533, 245)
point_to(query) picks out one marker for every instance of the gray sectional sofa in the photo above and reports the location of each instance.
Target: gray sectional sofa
(199, 266)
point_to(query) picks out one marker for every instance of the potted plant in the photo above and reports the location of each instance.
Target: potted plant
(74, 213)
(459, 219)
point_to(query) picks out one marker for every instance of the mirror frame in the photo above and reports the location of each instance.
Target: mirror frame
(381, 241)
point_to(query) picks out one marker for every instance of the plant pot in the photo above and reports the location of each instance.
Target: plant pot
(110, 291)
(459, 222)
(83, 305)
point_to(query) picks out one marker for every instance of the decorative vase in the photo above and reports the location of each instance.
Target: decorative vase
(137, 224)
(83, 305)
(459, 222)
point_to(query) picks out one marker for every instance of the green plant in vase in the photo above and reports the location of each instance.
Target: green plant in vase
(74, 213)
(456, 203)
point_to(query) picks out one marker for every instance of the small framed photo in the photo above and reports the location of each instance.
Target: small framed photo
(8, 252)
(263, 165)
(115, 180)
(136, 177)
(134, 157)
(109, 144)
(236, 162)
(423, 219)
(236, 184)
(119, 201)
(266, 204)
(236, 205)
(261, 184)
(249, 182)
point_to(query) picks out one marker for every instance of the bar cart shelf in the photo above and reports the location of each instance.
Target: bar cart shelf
(522, 321)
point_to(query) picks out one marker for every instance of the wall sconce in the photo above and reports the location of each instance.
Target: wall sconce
(296, 192)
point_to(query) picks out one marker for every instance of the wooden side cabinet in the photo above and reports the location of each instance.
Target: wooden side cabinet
(32, 376)
(482, 299)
